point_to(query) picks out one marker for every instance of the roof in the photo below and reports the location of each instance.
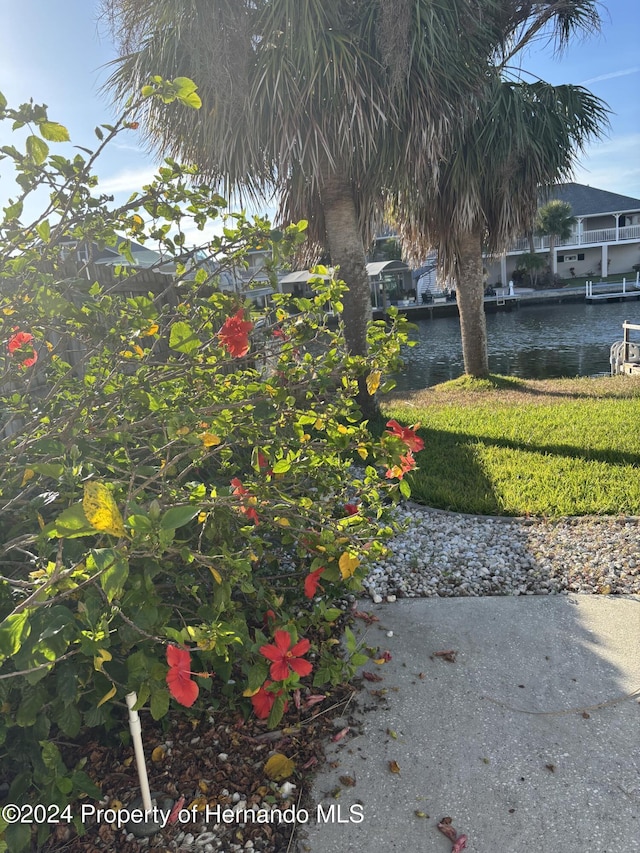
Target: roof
(590, 201)
(377, 267)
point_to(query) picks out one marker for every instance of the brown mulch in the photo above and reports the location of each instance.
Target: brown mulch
(206, 761)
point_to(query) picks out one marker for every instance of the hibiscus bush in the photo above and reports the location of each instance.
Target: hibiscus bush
(188, 487)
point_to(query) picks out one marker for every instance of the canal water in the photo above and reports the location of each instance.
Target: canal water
(535, 342)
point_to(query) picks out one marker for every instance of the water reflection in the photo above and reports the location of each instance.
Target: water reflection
(537, 342)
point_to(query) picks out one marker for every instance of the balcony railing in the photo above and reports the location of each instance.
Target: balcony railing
(584, 238)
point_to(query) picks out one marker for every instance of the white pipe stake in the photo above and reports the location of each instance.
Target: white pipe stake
(136, 734)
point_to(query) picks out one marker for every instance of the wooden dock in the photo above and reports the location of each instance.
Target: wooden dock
(606, 294)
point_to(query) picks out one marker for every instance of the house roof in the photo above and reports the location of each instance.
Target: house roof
(590, 201)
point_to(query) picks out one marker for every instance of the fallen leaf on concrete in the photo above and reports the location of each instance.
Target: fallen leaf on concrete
(460, 844)
(347, 781)
(449, 655)
(313, 700)
(550, 767)
(371, 676)
(340, 734)
(394, 767)
(385, 657)
(366, 617)
(447, 829)
(392, 734)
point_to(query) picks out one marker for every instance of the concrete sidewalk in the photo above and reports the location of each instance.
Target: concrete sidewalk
(526, 741)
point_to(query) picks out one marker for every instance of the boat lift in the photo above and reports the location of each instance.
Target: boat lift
(625, 354)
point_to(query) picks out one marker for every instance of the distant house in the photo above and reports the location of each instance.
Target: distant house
(605, 239)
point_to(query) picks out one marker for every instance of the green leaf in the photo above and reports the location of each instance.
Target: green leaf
(14, 630)
(18, 837)
(192, 100)
(177, 516)
(70, 722)
(185, 85)
(405, 489)
(183, 338)
(44, 231)
(282, 466)
(30, 707)
(53, 131)
(51, 757)
(70, 524)
(114, 568)
(159, 704)
(3, 101)
(37, 149)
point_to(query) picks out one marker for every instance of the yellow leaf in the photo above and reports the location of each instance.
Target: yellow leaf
(342, 429)
(216, 574)
(158, 754)
(101, 658)
(283, 522)
(126, 353)
(348, 564)
(202, 517)
(138, 350)
(319, 424)
(183, 431)
(373, 382)
(210, 440)
(380, 661)
(101, 510)
(203, 786)
(362, 451)
(107, 696)
(279, 767)
(249, 692)
(153, 328)
(394, 767)
(28, 474)
(8, 311)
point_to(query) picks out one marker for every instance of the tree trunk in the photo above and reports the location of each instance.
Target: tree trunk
(473, 326)
(347, 252)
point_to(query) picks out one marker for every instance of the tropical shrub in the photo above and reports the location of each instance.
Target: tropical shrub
(187, 483)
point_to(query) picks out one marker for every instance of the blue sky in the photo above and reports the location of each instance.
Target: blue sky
(56, 53)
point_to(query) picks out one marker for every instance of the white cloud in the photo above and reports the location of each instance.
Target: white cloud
(127, 181)
(612, 75)
(612, 165)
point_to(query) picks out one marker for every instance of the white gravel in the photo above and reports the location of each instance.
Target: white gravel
(450, 554)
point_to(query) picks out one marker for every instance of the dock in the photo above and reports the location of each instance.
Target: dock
(629, 291)
(625, 354)
(442, 307)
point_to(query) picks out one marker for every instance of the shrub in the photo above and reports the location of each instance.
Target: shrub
(188, 485)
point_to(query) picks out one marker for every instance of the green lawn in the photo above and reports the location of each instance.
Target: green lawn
(515, 447)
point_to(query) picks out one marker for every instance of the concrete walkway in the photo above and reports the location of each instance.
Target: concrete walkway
(526, 741)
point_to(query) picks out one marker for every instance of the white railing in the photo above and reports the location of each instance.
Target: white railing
(601, 235)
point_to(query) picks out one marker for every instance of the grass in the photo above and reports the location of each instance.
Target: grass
(506, 446)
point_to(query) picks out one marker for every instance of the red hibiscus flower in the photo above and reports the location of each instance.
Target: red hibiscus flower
(16, 343)
(311, 582)
(246, 506)
(351, 509)
(406, 434)
(284, 658)
(407, 463)
(263, 701)
(234, 334)
(181, 687)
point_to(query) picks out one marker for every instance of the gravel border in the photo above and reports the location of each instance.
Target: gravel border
(441, 553)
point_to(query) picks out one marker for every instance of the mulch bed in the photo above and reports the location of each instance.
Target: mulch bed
(206, 761)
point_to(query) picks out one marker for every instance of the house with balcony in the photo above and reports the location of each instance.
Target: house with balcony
(605, 239)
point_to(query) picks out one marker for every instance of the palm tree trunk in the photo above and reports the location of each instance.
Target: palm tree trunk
(473, 326)
(347, 252)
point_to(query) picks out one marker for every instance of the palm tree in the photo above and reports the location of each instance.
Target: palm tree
(555, 221)
(326, 102)
(525, 137)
